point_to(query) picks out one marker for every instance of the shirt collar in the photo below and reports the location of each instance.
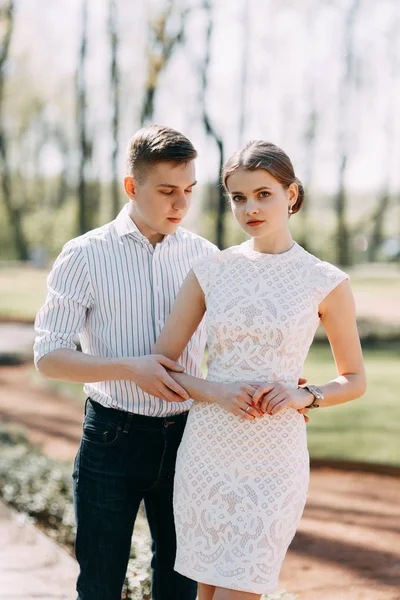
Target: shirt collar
(125, 226)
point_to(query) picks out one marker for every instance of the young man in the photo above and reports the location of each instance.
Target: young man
(114, 287)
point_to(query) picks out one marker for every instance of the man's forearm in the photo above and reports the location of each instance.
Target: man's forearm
(71, 365)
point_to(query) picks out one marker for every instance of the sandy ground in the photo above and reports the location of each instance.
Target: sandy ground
(348, 543)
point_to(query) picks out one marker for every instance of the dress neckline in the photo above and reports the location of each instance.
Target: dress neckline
(247, 247)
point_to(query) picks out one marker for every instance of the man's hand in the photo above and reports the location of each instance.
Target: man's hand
(150, 374)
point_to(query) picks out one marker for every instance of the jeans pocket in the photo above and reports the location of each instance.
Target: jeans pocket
(100, 433)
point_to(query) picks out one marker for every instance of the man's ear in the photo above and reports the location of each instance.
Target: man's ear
(130, 187)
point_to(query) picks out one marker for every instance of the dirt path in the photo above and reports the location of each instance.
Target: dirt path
(348, 543)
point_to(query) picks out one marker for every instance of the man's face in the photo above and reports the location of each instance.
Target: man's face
(162, 198)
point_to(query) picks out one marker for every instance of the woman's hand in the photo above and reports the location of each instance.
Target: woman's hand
(237, 398)
(274, 397)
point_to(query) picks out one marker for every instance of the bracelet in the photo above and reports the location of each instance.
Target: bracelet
(317, 393)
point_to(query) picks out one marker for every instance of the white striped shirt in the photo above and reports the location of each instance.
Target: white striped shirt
(114, 290)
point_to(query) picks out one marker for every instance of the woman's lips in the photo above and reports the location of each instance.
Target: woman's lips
(254, 223)
(174, 220)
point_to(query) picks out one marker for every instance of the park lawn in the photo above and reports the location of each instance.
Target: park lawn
(23, 291)
(367, 429)
(66, 389)
(377, 292)
(376, 289)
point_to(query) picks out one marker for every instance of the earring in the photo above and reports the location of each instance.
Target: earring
(290, 211)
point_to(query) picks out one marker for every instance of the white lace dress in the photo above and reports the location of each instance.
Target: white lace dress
(241, 486)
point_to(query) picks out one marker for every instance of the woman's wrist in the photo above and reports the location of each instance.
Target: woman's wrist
(308, 397)
(213, 391)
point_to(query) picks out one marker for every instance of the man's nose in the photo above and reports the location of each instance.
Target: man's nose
(180, 201)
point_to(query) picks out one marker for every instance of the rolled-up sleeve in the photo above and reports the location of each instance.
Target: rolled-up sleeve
(69, 297)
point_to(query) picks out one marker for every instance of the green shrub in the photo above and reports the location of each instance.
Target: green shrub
(37, 486)
(42, 488)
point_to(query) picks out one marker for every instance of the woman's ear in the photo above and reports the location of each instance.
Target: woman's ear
(293, 191)
(130, 187)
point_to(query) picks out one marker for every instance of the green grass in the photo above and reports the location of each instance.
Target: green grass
(376, 289)
(367, 429)
(23, 291)
(377, 292)
(67, 389)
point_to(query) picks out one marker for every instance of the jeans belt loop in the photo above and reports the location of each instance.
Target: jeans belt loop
(128, 422)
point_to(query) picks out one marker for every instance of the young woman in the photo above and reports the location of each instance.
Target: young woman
(242, 470)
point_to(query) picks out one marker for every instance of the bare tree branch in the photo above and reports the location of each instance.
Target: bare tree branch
(161, 47)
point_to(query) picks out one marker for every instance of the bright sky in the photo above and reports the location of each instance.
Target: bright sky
(295, 61)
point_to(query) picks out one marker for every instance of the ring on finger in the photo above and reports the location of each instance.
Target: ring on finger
(248, 408)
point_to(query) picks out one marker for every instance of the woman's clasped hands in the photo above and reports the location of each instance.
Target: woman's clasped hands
(253, 400)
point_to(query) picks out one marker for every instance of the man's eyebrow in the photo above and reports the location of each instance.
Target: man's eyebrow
(175, 187)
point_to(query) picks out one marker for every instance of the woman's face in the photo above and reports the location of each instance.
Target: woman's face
(259, 202)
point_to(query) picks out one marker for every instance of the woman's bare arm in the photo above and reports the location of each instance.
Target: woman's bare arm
(186, 315)
(338, 316)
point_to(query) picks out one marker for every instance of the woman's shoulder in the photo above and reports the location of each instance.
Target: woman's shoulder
(317, 265)
(321, 275)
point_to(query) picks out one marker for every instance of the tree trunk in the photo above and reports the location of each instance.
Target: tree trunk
(343, 249)
(61, 193)
(13, 212)
(114, 87)
(377, 235)
(244, 71)
(379, 214)
(85, 210)
(210, 129)
(343, 254)
(310, 131)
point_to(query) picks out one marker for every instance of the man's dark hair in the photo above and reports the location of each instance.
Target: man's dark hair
(154, 144)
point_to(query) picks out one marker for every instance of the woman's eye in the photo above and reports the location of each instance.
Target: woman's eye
(167, 193)
(264, 194)
(238, 198)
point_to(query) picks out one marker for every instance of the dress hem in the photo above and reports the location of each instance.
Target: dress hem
(209, 582)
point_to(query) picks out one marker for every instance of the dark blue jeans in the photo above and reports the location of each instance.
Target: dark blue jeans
(122, 459)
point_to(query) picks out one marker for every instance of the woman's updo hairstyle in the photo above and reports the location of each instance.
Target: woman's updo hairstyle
(264, 155)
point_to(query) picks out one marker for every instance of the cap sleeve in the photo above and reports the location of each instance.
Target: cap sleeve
(327, 277)
(201, 269)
